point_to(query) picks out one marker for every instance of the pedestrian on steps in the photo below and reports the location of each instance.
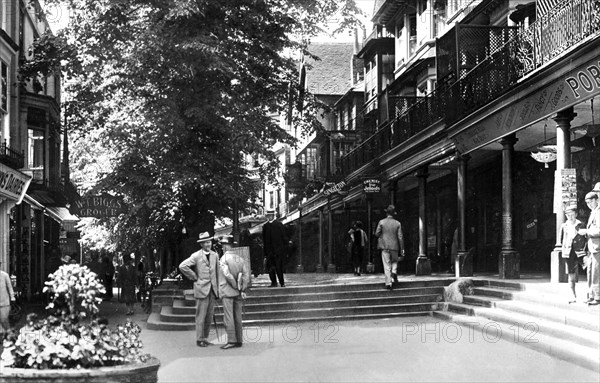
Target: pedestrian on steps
(391, 243)
(573, 248)
(359, 241)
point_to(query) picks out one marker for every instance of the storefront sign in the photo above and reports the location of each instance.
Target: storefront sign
(575, 86)
(371, 185)
(13, 183)
(100, 206)
(331, 188)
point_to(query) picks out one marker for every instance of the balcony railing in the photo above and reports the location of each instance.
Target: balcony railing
(566, 25)
(11, 157)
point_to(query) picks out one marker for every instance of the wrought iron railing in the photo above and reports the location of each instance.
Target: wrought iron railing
(11, 157)
(566, 25)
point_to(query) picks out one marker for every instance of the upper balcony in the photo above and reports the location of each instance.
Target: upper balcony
(379, 40)
(11, 157)
(481, 69)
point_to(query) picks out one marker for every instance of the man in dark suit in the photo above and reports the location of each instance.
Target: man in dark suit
(275, 242)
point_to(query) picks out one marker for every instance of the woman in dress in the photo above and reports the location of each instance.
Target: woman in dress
(127, 281)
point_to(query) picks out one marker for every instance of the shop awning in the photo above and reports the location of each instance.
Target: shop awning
(61, 214)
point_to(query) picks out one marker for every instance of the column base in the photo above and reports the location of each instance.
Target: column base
(370, 268)
(299, 269)
(423, 266)
(557, 267)
(463, 266)
(509, 265)
(320, 269)
(331, 269)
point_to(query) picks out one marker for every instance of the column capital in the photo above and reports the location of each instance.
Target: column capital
(463, 158)
(422, 172)
(509, 141)
(564, 116)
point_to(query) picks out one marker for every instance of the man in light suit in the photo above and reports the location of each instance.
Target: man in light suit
(391, 242)
(234, 280)
(592, 232)
(202, 267)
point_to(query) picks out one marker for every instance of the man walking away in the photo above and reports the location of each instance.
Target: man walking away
(234, 280)
(390, 241)
(202, 267)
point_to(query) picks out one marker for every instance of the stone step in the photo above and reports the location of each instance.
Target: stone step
(325, 288)
(287, 297)
(538, 297)
(182, 308)
(167, 314)
(154, 322)
(532, 323)
(492, 330)
(549, 302)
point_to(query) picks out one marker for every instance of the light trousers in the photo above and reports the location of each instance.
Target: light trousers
(205, 309)
(389, 267)
(593, 276)
(232, 310)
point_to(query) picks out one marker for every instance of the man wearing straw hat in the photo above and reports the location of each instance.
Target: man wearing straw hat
(202, 267)
(234, 280)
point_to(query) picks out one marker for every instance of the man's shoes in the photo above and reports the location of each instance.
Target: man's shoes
(358, 274)
(283, 285)
(273, 285)
(594, 303)
(227, 346)
(203, 343)
(395, 277)
(238, 344)
(389, 287)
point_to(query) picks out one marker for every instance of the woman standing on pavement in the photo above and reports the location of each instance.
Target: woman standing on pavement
(127, 280)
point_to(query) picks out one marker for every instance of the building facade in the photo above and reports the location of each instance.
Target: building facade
(480, 113)
(35, 224)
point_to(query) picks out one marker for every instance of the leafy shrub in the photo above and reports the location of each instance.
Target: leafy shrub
(72, 336)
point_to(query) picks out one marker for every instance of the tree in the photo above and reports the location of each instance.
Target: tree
(180, 93)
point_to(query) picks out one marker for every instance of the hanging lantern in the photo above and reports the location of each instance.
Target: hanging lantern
(545, 153)
(544, 157)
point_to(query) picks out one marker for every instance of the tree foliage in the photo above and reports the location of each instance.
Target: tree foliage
(179, 94)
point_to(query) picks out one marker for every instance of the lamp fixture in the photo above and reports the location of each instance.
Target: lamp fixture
(545, 153)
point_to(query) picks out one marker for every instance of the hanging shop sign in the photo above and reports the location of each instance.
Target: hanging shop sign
(13, 183)
(371, 185)
(575, 86)
(99, 206)
(332, 188)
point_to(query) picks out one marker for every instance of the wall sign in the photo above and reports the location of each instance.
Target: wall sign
(13, 183)
(99, 206)
(331, 188)
(371, 185)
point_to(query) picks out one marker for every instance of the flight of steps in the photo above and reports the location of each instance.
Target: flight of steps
(310, 303)
(537, 316)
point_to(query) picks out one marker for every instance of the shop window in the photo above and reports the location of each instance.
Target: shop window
(4, 86)
(36, 149)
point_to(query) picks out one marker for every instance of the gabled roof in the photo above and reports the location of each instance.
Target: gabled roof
(331, 74)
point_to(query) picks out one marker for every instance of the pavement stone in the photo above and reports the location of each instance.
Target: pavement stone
(419, 349)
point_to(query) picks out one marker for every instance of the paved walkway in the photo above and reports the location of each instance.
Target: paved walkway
(419, 349)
